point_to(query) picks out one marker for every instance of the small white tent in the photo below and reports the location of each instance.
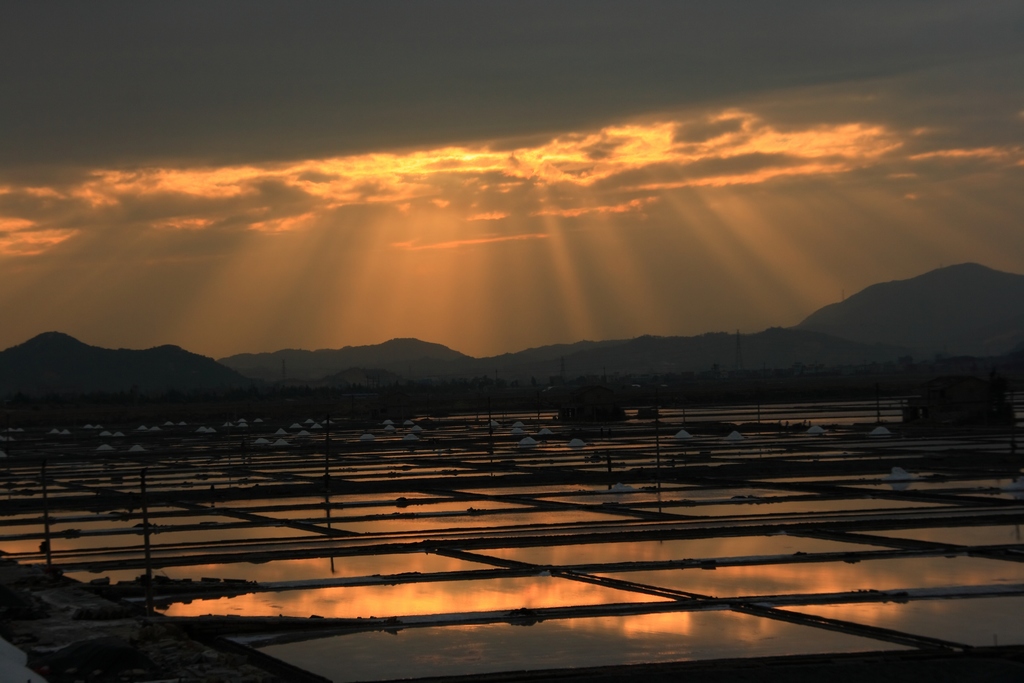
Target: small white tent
(734, 436)
(683, 435)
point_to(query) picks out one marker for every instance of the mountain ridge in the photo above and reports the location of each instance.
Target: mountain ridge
(55, 362)
(963, 309)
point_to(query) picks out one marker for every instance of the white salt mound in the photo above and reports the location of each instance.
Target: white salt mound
(898, 474)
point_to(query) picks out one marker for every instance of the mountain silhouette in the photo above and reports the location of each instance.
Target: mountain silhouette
(966, 309)
(772, 348)
(397, 355)
(59, 363)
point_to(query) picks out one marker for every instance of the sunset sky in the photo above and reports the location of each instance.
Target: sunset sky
(242, 177)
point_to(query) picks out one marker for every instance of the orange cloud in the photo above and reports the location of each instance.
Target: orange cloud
(597, 173)
(19, 237)
(1015, 154)
(454, 244)
(487, 216)
(634, 205)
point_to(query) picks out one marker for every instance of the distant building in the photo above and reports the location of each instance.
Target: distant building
(960, 399)
(591, 404)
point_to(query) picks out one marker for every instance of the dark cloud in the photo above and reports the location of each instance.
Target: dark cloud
(124, 82)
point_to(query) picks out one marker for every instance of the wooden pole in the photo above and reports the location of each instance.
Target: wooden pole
(145, 545)
(46, 517)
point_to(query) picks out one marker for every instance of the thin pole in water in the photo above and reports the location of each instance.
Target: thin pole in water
(145, 545)
(657, 436)
(46, 516)
(490, 434)
(327, 453)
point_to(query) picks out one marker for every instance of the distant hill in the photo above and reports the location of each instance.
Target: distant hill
(773, 348)
(966, 309)
(401, 356)
(56, 362)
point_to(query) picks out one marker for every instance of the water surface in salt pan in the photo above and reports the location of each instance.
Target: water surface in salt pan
(962, 535)
(678, 549)
(584, 642)
(440, 597)
(303, 570)
(834, 577)
(974, 621)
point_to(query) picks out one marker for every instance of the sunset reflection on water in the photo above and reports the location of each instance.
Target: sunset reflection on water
(414, 599)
